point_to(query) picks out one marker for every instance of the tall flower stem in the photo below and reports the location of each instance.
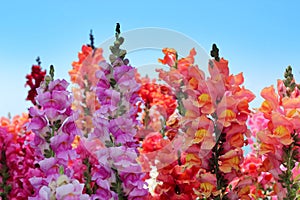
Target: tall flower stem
(288, 182)
(289, 151)
(287, 175)
(87, 176)
(216, 153)
(117, 186)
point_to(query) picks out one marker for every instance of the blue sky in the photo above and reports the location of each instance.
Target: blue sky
(259, 38)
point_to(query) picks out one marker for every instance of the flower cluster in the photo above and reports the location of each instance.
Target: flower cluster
(162, 149)
(278, 140)
(83, 75)
(119, 136)
(54, 128)
(157, 95)
(17, 158)
(34, 80)
(116, 125)
(214, 113)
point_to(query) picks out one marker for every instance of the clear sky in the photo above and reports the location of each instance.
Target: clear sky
(259, 38)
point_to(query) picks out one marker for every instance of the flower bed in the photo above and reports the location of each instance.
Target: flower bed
(118, 135)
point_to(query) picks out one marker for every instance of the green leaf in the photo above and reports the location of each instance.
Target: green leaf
(61, 170)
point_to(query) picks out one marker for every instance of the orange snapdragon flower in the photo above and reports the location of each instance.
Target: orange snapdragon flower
(83, 74)
(207, 186)
(171, 59)
(231, 160)
(16, 124)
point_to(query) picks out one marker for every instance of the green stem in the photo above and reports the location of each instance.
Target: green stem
(4, 173)
(48, 153)
(87, 176)
(216, 153)
(147, 117)
(216, 170)
(287, 176)
(180, 107)
(86, 109)
(289, 172)
(117, 186)
(52, 135)
(179, 157)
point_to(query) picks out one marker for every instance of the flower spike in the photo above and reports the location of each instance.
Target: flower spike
(215, 52)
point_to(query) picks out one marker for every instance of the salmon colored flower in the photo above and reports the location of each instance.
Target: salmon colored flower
(184, 63)
(200, 135)
(227, 116)
(205, 103)
(83, 74)
(170, 57)
(277, 139)
(207, 187)
(214, 112)
(237, 140)
(192, 160)
(271, 97)
(251, 165)
(75, 72)
(218, 68)
(231, 161)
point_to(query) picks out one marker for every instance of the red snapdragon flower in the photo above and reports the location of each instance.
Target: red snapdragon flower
(34, 80)
(154, 94)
